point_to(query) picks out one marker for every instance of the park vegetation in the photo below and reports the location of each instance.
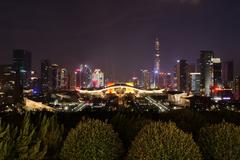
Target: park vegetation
(182, 134)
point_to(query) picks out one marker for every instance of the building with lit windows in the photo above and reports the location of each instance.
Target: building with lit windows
(62, 79)
(206, 72)
(58, 78)
(182, 72)
(145, 81)
(217, 72)
(7, 78)
(45, 75)
(53, 77)
(195, 79)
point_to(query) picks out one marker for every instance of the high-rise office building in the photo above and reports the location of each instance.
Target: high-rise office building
(227, 72)
(195, 79)
(62, 79)
(156, 70)
(206, 71)
(217, 72)
(45, 78)
(145, 81)
(54, 76)
(71, 80)
(59, 78)
(22, 62)
(182, 70)
(97, 78)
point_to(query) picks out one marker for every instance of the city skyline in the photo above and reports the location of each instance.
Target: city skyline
(107, 35)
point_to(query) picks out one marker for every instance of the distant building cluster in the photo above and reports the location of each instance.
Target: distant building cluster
(18, 78)
(209, 77)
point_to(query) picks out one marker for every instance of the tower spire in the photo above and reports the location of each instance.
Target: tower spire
(156, 69)
(157, 56)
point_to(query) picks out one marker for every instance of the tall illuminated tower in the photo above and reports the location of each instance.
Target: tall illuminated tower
(156, 69)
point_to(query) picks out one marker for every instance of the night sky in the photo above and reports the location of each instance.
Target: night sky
(118, 35)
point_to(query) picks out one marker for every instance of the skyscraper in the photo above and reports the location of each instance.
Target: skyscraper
(22, 62)
(217, 72)
(195, 79)
(206, 72)
(45, 75)
(53, 76)
(62, 79)
(182, 75)
(156, 70)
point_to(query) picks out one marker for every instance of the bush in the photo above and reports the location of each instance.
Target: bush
(163, 141)
(220, 141)
(92, 139)
(128, 126)
(187, 120)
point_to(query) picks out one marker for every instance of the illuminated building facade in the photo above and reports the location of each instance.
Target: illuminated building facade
(206, 72)
(22, 63)
(97, 79)
(83, 76)
(156, 70)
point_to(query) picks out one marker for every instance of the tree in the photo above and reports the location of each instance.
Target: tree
(7, 136)
(220, 141)
(28, 144)
(51, 134)
(163, 141)
(92, 139)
